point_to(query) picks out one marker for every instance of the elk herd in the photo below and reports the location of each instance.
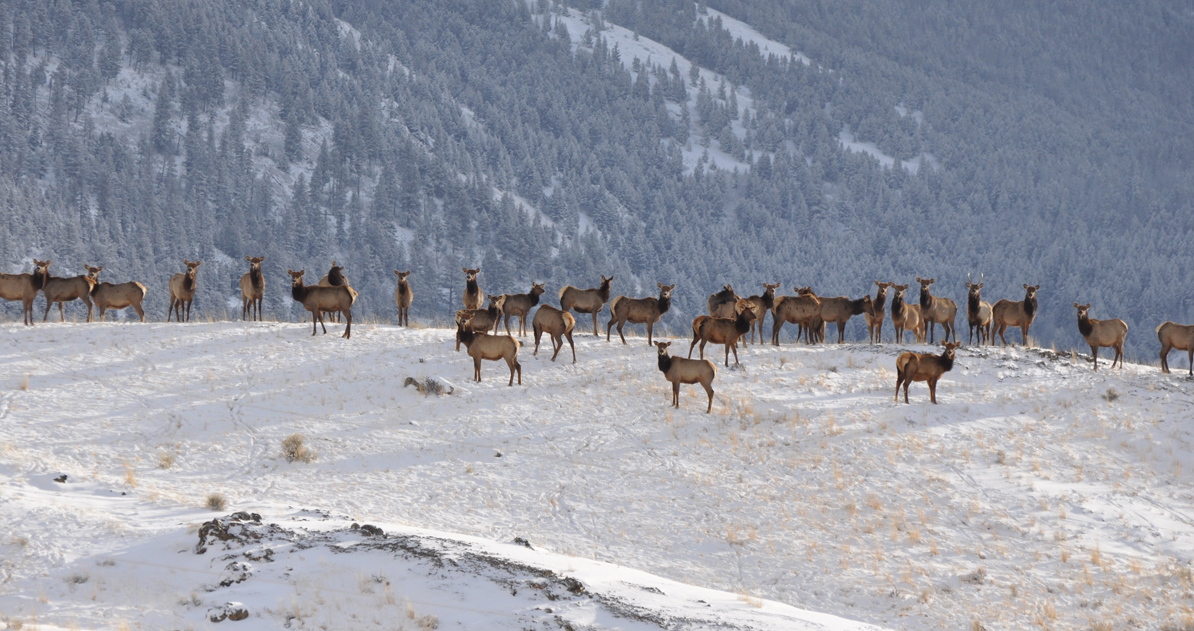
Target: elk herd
(730, 319)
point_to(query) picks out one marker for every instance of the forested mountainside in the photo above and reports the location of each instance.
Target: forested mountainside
(741, 141)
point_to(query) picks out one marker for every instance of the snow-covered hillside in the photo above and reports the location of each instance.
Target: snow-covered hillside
(1036, 492)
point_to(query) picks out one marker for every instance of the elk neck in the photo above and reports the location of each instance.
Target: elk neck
(879, 301)
(665, 363)
(1029, 306)
(664, 302)
(256, 279)
(298, 292)
(926, 298)
(972, 303)
(1084, 325)
(471, 286)
(897, 307)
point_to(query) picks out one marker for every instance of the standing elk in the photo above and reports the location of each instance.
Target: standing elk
(874, 314)
(336, 278)
(726, 331)
(679, 370)
(482, 320)
(839, 310)
(1101, 333)
(722, 303)
(1019, 313)
(557, 324)
(491, 347)
(520, 305)
(905, 317)
(24, 287)
(801, 309)
(472, 290)
(319, 300)
(923, 367)
(252, 289)
(1176, 336)
(978, 312)
(935, 310)
(403, 297)
(111, 296)
(761, 305)
(586, 300)
(182, 289)
(639, 311)
(63, 290)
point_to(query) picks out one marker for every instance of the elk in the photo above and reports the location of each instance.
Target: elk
(800, 309)
(923, 367)
(722, 304)
(726, 331)
(1100, 333)
(182, 289)
(761, 305)
(63, 290)
(557, 324)
(520, 305)
(492, 347)
(978, 312)
(1176, 336)
(403, 298)
(109, 296)
(679, 370)
(874, 313)
(24, 287)
(252, 289)
(905, 317)
(935, 310)
(639, 311)
(336, 278)
(319, 300)
(839, 310)
(472, 291)
(483, 320)
(1007, 313)
(586, 300)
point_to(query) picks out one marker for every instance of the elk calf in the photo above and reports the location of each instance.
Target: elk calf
(24, 287)
(109, 296)
(639, 311)
(679, 370)
(520, 305)
(319, 300)
(586, 300)
(403, 297)
(1176, 336)
(874, 313)
(722, 303)
(726, 331)
(182, 289)
(491, 347)
(557, 324)
(1100, 333)
(472, 289)
(923, 367)
(978, 312)
(1019, 313)
(252, 289)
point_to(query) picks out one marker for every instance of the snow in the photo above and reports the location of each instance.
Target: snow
(846, 137)
(1036, 488)
(741, 30)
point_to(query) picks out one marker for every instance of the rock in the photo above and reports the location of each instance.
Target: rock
(235, 572)
(61, 479)
(230, 611)
(574, 586)
(522, 542)
(372, 531)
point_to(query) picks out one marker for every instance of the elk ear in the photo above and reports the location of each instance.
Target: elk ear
(198, 263)
(1025, 285)
(465, 269)
(248, 258)
(660, 285)
(1076, 306)
(397, 273)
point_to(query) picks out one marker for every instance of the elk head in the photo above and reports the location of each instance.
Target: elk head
(93, 272)
(975, 288)
(296, 278)
(1030, 291)
(255, 262)
(665, 291)
(470, 275)
(537, 289)
(925, 282)
(402, 275)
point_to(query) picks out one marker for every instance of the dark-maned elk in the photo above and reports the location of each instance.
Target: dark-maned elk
(721, 304)
(491, 347)
(24, 287)
(1176, 336)
(557, 325)
(482, 320)
(800, 309)
(761, 305)
(923, 367)
(1101, 333)
(472, 289)
(978, 312)
(336, 278)
(403, 297)
(679, 370)
(1019, 313)
(520, 305)
(182, 289)
(874, 313)
(728, 331)
(905, 317)
(839, 310)
(319, 300)
(586, 300)
(63, 290)
(639, 311)
(252, 289)
(116, 296)
(935, 310)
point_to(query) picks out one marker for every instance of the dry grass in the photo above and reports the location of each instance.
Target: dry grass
(130, 476)
(25, 382)
(166, 460)
(294, 450)
(217, 502)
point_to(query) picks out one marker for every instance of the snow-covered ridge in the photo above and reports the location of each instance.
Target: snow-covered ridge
(741, 30)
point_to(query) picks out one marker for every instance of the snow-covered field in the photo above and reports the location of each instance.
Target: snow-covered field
(1036, 493)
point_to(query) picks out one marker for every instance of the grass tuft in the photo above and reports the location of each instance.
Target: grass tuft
(217, 502)
(294, 450)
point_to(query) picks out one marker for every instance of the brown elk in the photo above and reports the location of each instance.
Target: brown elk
(1019, 313)
(182, 289)
(558, 325)
(1176, 336)
(482, 320)
(403, 297)
(24, 287)
(761, 305)
(728, 331)
(978, 312)
(336, 278)
(639, 311)
(491, 347)
(905, 317)
(935, 310)
(520, 305)
(1101, 333)
(319, 300)
(923, 367)
(112, 296)
(874, 314)
(63, 290)
(472, 290)
(722, 304)
(679, 370)
(586, 300)
(800, 309)
(252, 289)
(839, 310)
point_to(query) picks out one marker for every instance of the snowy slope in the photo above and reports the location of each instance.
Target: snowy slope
(1037, 492)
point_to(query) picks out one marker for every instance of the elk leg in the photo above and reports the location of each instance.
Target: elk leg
(774, 332)
(732, 347)
(695, 339)
(709, 390)
(933, 391)
(1190, 360)
(1165, 359)
(676, 394)
(649, 325)
(899, 381)
(608, 326)
(571, 345)
(556, 345)
(477, 368)
(518, 367)
(61, 312)
(907, 382)
(1094, 351)
(348, 327)
(621, 323)
(841, 332)
(538, 336)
